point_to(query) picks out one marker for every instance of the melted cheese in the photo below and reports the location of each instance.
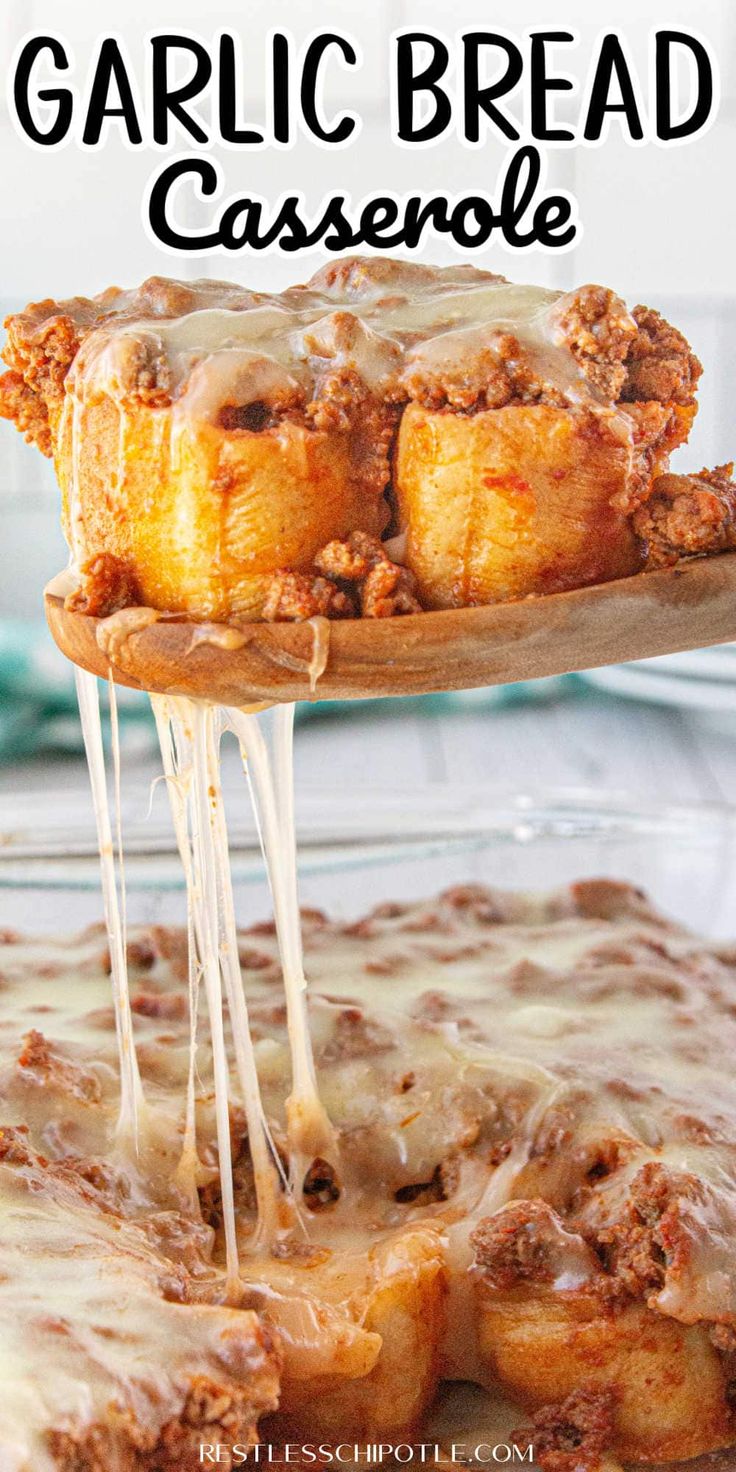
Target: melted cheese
(627, 1057)
(384, 321)
(270, 774)
(189, 736)
(84, 1318)
(131, 1095)
(461, 1034)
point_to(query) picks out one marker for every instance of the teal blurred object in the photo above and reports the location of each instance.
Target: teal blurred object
(38, 704)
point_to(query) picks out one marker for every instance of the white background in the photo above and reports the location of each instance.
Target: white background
(659, 225)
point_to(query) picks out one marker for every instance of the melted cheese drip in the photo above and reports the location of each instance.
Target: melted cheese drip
(131, 1093)
(115, 632)
(270, 775)
(320, 650)
(268, 349)
(188, 1170)
(189, 735)
(220, 636)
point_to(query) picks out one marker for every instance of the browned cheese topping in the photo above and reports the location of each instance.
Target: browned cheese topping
(361, 333)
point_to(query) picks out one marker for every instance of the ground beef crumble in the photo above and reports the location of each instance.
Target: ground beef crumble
(351, 579)
(43, 341)
(27, 409)
(294, 596)
(213, 1412)
(599, 332)
(490, 379)
(42, 1064)
(659, 363)
(14, 1149)
(593, 323)
(512, 1247)
(687, 515)
(572, 1436)
(651, 1240)
(355, 1035)
(107, 584)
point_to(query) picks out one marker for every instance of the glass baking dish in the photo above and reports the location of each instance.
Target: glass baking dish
(357, 849)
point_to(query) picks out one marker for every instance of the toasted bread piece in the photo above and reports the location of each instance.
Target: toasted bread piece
(203, 515)
(511, 501)
(395, 1298)
(212, 442)
(668, 1382)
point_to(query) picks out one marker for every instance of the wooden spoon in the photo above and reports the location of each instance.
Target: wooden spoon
(684, 607)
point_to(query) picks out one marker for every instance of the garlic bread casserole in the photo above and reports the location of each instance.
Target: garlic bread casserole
(534, 1190)
(388, 438)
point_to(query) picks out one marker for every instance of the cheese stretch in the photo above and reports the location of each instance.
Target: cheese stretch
(189, 737)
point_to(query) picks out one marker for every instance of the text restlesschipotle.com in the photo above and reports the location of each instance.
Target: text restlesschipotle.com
(372, 1454)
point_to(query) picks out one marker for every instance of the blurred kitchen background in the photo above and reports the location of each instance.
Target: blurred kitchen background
(659, 227)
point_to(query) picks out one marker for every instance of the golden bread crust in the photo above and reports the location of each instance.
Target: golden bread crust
(510, 502)
(203, 517)
(668, 1383)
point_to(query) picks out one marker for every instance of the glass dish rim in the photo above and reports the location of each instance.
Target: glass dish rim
(41, 848)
